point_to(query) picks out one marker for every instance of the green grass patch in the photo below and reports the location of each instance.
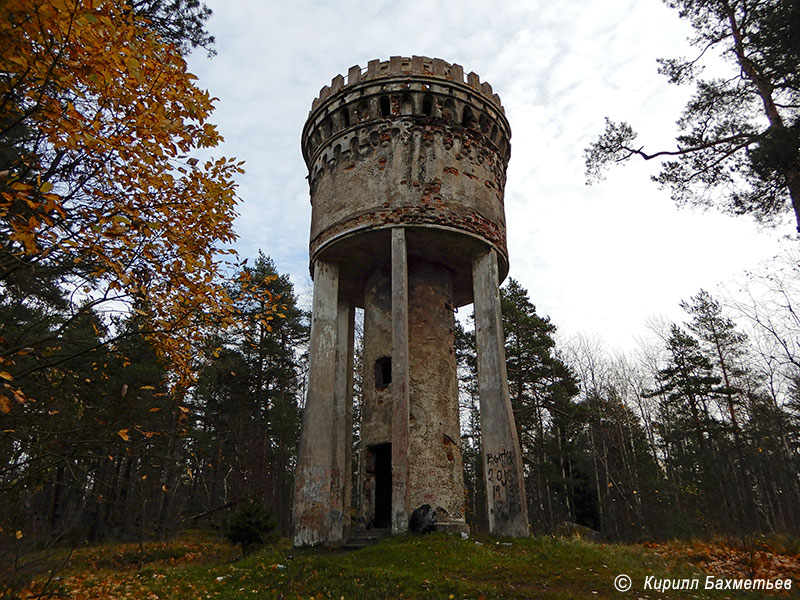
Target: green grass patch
(435, 566)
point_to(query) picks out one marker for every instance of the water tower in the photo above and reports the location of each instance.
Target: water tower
(406, 167)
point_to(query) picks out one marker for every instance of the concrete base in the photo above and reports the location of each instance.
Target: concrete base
(453, 527)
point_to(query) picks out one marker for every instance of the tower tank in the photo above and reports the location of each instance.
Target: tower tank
(408, 142)
(407, 166)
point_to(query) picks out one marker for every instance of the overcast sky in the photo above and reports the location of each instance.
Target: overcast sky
(598, 260)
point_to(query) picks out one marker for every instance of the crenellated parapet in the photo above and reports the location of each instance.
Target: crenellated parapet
(428, 89)
(399, 66)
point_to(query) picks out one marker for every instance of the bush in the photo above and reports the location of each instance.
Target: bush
(251, 526)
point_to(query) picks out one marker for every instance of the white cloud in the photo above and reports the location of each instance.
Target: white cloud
(598, 259)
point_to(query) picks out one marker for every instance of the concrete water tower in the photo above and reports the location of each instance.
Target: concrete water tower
(406, 167)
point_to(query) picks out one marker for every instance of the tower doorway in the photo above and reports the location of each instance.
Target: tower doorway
(381, 457)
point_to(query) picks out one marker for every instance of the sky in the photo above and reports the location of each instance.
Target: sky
(600, 260)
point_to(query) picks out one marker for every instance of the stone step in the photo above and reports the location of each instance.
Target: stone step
(363, 538)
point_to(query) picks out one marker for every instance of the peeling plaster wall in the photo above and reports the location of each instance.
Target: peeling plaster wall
(435, 465)
(376, 409)
(411, 173)
(409, 141)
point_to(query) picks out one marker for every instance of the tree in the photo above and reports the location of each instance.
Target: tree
(472, 455)
(739, 134)
(615, 449)
(248, 399)
(691, 432)
(181, 22)
(722, 341)
(112, 262)
(102, 206)
(542, 389)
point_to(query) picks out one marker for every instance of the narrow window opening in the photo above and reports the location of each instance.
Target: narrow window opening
(484, 124)
(385, 107)
(362, 112)
(383, 372)
(346, 117)
(406, 106)
(427, 106)
(448, 112)
(468, 119)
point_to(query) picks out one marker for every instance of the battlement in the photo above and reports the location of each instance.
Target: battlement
(422, 91)
(402, 66)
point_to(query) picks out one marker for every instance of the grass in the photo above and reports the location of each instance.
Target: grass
(435, 566)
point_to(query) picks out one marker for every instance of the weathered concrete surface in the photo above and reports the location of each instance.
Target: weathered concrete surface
(342, 426)
(420, 173)
(376, 409)
(436, 475)
(400, 383)
(376, 401)
(315, 462)
(507, 508)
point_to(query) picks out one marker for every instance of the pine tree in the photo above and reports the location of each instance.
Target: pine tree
(738, 146)
(689, 430)
(249, 396)
(542, 389)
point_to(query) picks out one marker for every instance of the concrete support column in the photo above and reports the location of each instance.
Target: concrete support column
(313, 490)
(400, 382)
(342, 423)
(507, 507)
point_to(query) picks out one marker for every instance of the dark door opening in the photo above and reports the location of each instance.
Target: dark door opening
(382, 453)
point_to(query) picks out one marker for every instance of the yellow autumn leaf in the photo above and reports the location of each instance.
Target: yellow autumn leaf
(5, 405)
(155, 409)
(6, 375)
(123, 433)
(106, 59)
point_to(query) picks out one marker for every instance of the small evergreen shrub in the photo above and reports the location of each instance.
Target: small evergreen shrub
(251, 526)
